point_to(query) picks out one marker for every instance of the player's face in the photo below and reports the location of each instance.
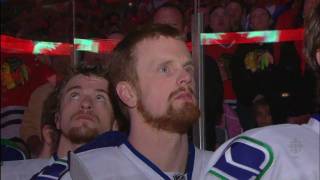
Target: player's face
(166, 84)
(85, 109)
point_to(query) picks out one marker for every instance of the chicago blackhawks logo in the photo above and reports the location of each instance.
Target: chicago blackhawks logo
(13, 73)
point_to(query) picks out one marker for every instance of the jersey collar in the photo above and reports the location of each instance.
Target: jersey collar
(190, 162)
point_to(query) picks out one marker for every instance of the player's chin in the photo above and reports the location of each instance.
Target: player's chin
(183, 104)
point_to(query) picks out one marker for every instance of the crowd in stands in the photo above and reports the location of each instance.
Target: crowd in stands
(261, 83)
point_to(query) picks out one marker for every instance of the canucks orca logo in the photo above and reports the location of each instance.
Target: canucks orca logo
(244, 158)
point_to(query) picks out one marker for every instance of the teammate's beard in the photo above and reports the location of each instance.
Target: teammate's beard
(83, 134)
(174, 120)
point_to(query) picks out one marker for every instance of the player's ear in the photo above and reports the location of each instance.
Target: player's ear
(318, 56)
(127, 93)
(46, 133)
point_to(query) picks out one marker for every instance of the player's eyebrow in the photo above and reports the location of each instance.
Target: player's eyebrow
(189, 63)
(72, 88)
(102, 91)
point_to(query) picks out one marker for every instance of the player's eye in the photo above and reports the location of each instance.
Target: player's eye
(100, 97)
(74, 95)
(164, 69)
(190, 69)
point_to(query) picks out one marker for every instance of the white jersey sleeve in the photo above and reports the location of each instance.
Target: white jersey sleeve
(276, 152)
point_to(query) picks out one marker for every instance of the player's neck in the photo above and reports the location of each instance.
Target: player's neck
(169, 151)
(46, 152)
(65, 146)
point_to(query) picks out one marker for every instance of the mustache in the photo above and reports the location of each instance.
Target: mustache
(181, 89)
(88, 115)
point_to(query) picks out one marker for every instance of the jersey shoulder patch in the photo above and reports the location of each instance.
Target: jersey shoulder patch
(244, 158)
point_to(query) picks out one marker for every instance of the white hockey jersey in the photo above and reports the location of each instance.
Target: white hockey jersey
(125, 162)
(286, 151)
(22, 169)
(53, 168)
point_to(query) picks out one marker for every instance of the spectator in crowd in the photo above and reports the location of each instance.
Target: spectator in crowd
(260, 19)
(286, 151)
(158, 99)
(236, 13)
(172, 15)
(261, 112)
(218, 20)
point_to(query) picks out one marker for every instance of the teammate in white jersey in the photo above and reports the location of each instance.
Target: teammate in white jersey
(152, 75)
(79, 110)
(285, 151)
